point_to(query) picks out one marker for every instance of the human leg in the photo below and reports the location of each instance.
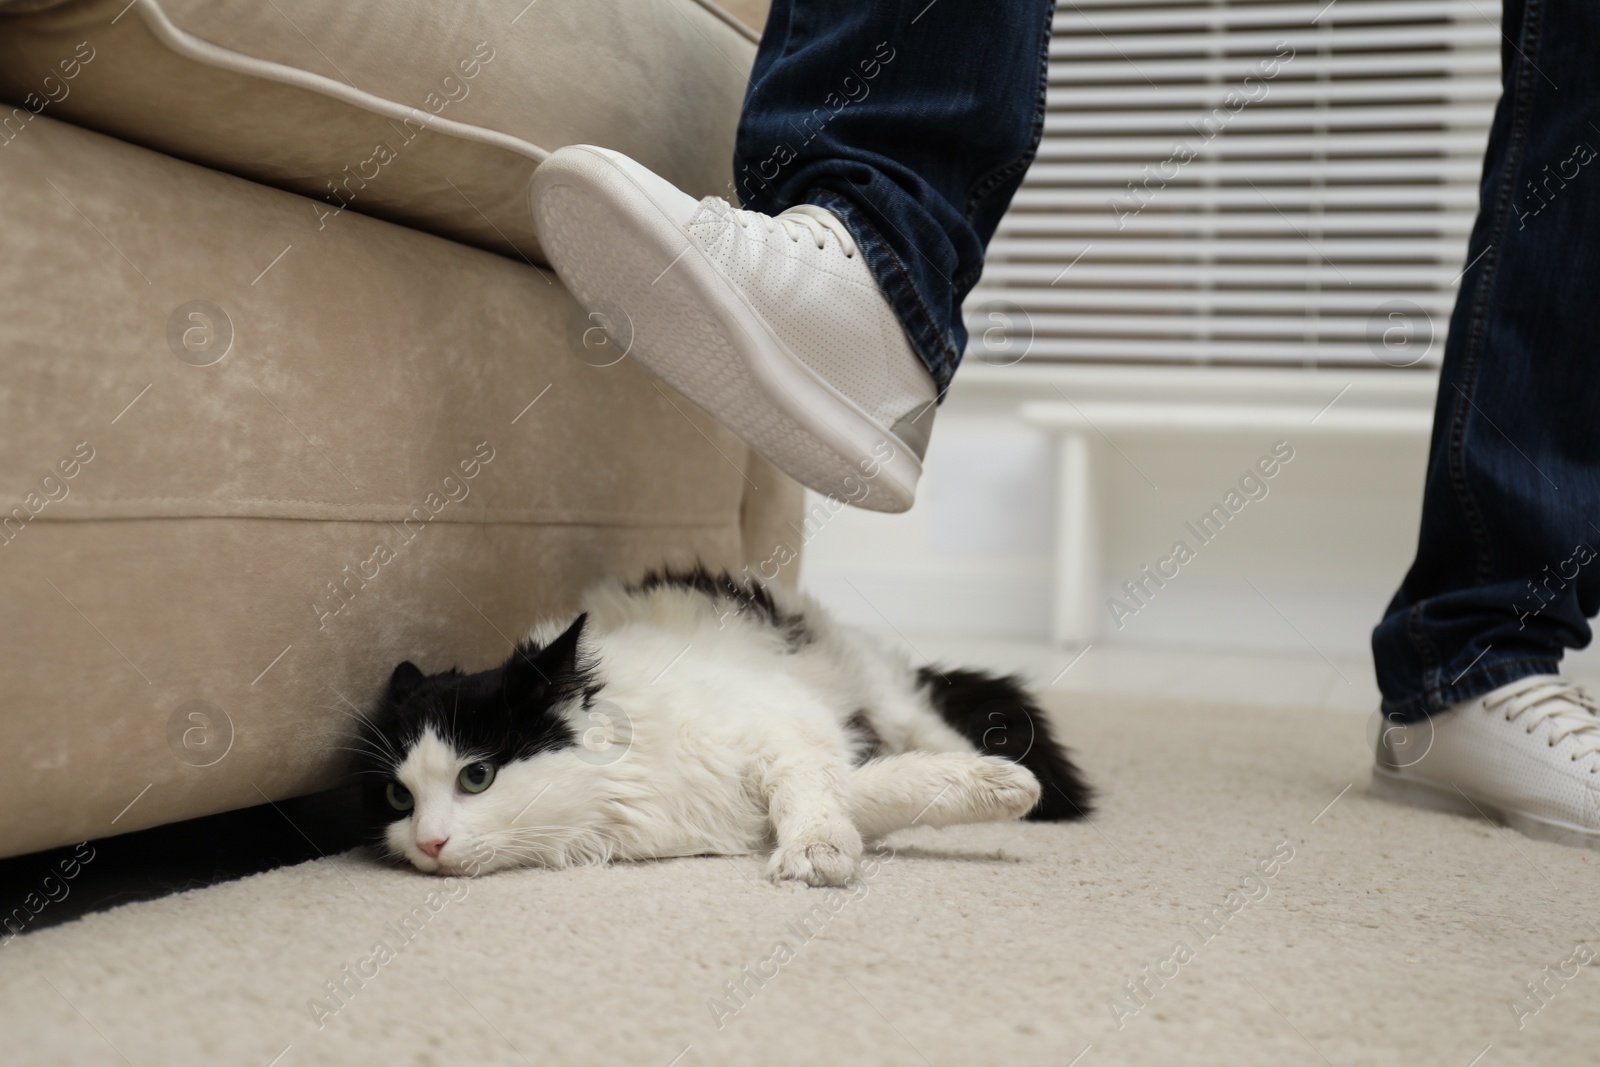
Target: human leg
(1506, 576)
(915, 123)
(822, 323)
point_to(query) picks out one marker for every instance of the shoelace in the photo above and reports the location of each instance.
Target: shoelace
(1570, 711)
(798, 222)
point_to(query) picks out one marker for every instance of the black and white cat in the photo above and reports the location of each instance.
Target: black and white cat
(693, 714)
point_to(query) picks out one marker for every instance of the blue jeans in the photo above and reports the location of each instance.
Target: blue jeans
(912, 121)
(1506, 575)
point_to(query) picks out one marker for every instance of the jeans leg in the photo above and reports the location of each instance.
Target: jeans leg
(914, 122)
(1506, 576)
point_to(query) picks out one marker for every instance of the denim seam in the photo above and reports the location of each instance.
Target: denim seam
(1476, 339)
(972, 275)
(994, 179)
(1424, 648)
(991, 181)
(818, 195)
(1455, 446)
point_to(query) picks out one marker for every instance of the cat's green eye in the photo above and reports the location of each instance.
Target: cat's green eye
(399, 797)
(476, 777)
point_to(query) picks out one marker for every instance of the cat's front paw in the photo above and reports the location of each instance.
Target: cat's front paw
(820, 860)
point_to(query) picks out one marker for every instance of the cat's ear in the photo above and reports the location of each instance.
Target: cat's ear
(531, 675)
(405, 678)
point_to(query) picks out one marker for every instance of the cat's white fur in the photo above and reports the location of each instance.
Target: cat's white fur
(727, 742)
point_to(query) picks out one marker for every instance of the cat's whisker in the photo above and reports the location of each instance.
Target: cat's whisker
(364, 744)
(565, 833)
(542, 856)
(554, 846)
(516, 828)
(384, 760)
(374, 745)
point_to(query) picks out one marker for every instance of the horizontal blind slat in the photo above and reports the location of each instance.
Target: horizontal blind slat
(1207, 301)
(1029, 202)
(1219, 16)
(1260, 172)
(1272, 43)
(1140, 150)
(1276, 94)
(1477, 63)
(1405, 226)
(1055, 250)
(1205, 350)
(1438, 116)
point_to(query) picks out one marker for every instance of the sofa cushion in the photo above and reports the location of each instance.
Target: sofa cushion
(432, 115)
(249, 464)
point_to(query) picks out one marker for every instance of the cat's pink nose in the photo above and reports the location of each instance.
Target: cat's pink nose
(432, 847)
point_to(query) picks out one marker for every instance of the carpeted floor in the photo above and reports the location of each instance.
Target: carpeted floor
(1376, 935)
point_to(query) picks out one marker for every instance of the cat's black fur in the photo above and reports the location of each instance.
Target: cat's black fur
(995, 713)
(501, 715)
(751, 595)
(1000, 717)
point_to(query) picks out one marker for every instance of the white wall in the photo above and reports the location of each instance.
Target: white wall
(1325, 547)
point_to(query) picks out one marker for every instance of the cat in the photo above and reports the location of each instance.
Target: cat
(695, 713)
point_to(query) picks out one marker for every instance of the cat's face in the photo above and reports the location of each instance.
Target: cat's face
(465, 774)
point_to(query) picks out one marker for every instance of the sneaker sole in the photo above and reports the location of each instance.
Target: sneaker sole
(619, 256)
(1421, 793)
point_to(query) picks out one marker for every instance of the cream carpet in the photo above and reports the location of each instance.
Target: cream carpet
(1390, 936)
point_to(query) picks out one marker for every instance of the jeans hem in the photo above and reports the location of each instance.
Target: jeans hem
(1469, 685)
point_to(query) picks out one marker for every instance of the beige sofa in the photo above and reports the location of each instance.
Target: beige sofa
(286, 393)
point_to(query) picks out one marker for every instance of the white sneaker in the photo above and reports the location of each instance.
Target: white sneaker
(772, 324)
(1527, 755)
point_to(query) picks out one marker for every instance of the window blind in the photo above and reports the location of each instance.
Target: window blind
(1246, 182)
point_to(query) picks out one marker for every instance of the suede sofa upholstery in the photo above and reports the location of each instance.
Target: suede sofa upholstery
(260, 438)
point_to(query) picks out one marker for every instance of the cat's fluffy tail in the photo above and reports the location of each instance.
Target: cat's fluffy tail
(1001, 718)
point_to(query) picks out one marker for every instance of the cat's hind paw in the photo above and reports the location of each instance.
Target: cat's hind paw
(1004, 790)
(818, 861)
